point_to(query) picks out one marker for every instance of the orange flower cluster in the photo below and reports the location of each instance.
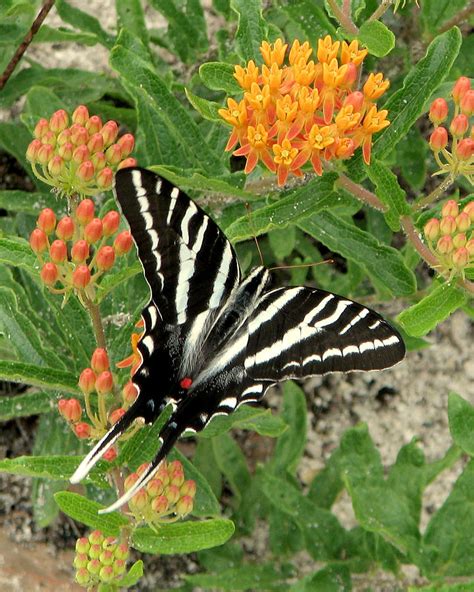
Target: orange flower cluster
(305, 110)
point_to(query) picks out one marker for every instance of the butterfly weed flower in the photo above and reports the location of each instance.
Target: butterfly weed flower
(304, 110)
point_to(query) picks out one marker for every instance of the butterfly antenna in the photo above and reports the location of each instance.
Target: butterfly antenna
(168, 436)
(252, 228)
(301, 265)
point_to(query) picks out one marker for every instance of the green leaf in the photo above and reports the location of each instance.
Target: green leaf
(327, 484)
(297, 205)
(311, 19)
(49, 378)
(333, 578)
(389, 192)
(207, 109)
(48, 34)
(282, 242)
(407, 104)
(246, 417)
(449, 536)
(435, 12)
(265, 424)
(377, 38)
(249, 576)
(232, 464)
(17, 252)
(219, 76)
(425, 315)
(380, 261)
(132, 576)
(86, 511)
(83, 21)
(461, 422)
(183, 537)
(28, 404)
(130, 16)
(28, 203)
(115, 278)
(251, 29)
(14, 138)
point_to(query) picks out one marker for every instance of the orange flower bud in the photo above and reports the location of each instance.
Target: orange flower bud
(96, 143)
(188, 488)
(160, 504)
(111, 222)
(127, 163)
(130, 480)
(79, 135)
(460, 257)
(143, 467)
(59, 121)
(109, 132)
(107, 557)
(100, 360)
(70, 409)
(82, 576)
(58, 251)
(445, 245)
(465, 149)
(105, 178)
(93, 125)
(105, 258)
(469, 210)
(94, 566)
(80, 251)
(184, 505)
(463, 221)
(38, 240)
(46, 220)
(467, 103)
(56, 166)
(439, 139)
(450, 208)
(96, 537)
(98, 160)
(80, 154)
(116, 415)
(85, 211)
(113, 154)
(460, 240)
(110, 455)
(104, 383)
(82, 430)
(459, 125)
(431, 229)
(140, 500)
(123, 243)
(351, 74)
(87, 380)
(81, 277)
(126, 143)
(41, 128)
(172, 494)
(44, 154)
(438, 111)
(155, 488)
(64, 137)
(82, 545)
(32, 150)
(49, 274)
(65, 228)
(49, 138)
(447, 225)
(85, 172)
(66, 151)
(470, 247)
(460, 88)
(129, 392)
(93, 231)
(80, 115)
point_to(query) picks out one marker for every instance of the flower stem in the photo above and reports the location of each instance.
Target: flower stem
(431, 197)
(381, 10)
(94, 312)
(361, 193)
(458, 18)
(345, 20)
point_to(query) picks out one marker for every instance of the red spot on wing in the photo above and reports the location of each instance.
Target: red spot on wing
(185, 383)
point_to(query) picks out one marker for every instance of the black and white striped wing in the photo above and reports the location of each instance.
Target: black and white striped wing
(299, 332)
(189, 264)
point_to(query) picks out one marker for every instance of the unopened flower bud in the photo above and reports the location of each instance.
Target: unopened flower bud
(122, 552)
(49, 274)
(459, 125)
(126, 143)
(184, 505)
(65, 228)
(85, 211)
(127, 163)
(79, 135)
(447, 225)
(470, 247)
(96, 537)
(80, 115)
(356, 99)
(129, 392)
(116, 415)
(106, 557)
(80, 251)
(44, 154)
(87, 380)
(81, 154)
(49, 138)
(172, 494)
(123, 243)
(66, 151)
(140, 500)
(467, 103)
(439, 139)
(105, 179)
(459, 240)
(431, 229)
(110, 455)
(70, 409)
(188, 488)
(85, 172)
(82, 430)
(109, 132)
(463, 221)
(460, 257)
(58, 251)
(41, 128)
(81, 560)
(82, 545)
(450, 208)
(111, 222)
(114, 154)
(46, 220)
(56, 166)
(98, 160)
(154, 488)
(82, 576)
(64, 137)
(142, 468)
(38, 240)
(462, 85)
(120, 567)
(465, 149)
(96, 143)
(469, 210)
(59, 121)
(93, 231)
(351, 74)
(104, 383)
(94, 566)
(100, 360)
(160, 504)
(32, 150)
(110, 543)
(438, 111)
(105, 258)
(93, 125)
(106, 573)
(130, 480)
(445, 245)
(81, 277)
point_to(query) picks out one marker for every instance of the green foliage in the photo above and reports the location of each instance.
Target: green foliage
(167, 87)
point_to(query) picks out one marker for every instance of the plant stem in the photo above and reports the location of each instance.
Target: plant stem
(361, 193)
(381, 10)
(344, 19)
(94, 312)
(43, 13)
(431, 197)
(458, 18)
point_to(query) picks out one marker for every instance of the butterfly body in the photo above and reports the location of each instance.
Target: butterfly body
(213, 341)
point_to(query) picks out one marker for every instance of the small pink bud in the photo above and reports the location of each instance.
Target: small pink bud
(111, 222)
(351, 74)
(465, 149)
(460, 88)
(459, 240)
(58, 251)
(140, 500)
(59, 121)
(107, 574)
(154, 488)
(95, 551)
(105, 258)
(470, 247)
(80, 115)
(110, 543)
(81, 277)
(120, 567)
(129, 392)
(463, 221)
(56, 166)
(122, 552)
(80, 251)
(94, 566)
(66, 151)
(438, 111)
(100, 360)
(469, 210)
(98, 160)
(82, 430)
(188, 488)
(70, 409)
(123, 243)
(80, 560)
(96, 143)
(105, 179)
(85, 172)
(85, 211)
(41, 128)
(109, 132)
(104, 383)
(130, 480)
(467, 103)
(45, 152)
(447, 225)
(49, 274)
(81, 154)
(93, 231)
(65, 228)
(87, 380)
(160, 504)
(459, 125)
(356, 99)
(96, 537)
(38, 240)
(450, 208)
(127, 163)
(126, 143)
(431, 229)
(64, 137)
(46, 220)
(49, 138)
(106, 557)
(82, 576)
(172, 493)
(110, 455)
(113, 154)
(93, 125)
(142, 468)
(116, 415)
(445, 245)
(79, 135)
(184, 505)
(82, 545)
(439, 139)
(32, 150)
(460, 257)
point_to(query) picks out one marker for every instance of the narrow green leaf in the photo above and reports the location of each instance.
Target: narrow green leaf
(232, 464)
(116, 278)
(311, 19)
(328, 484)
(251, 30)
(27, 202)
(381, 261)
(48, 34)
(207, 109)
(461, 422)
(425, 315)
(133, 575)
(265, 424)
(377, 38)
(435, 12)
(14, 138)
(49, 378)
(249, 576)
(219, 76)
(17, 252)
(86, 511)
(244, 416)
(27, 404)
(333, 578)
(130, 15)
(83, 21)
(389, 192)
(183, 537)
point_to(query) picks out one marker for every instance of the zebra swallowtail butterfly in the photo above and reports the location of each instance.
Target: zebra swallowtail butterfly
(212, 340)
